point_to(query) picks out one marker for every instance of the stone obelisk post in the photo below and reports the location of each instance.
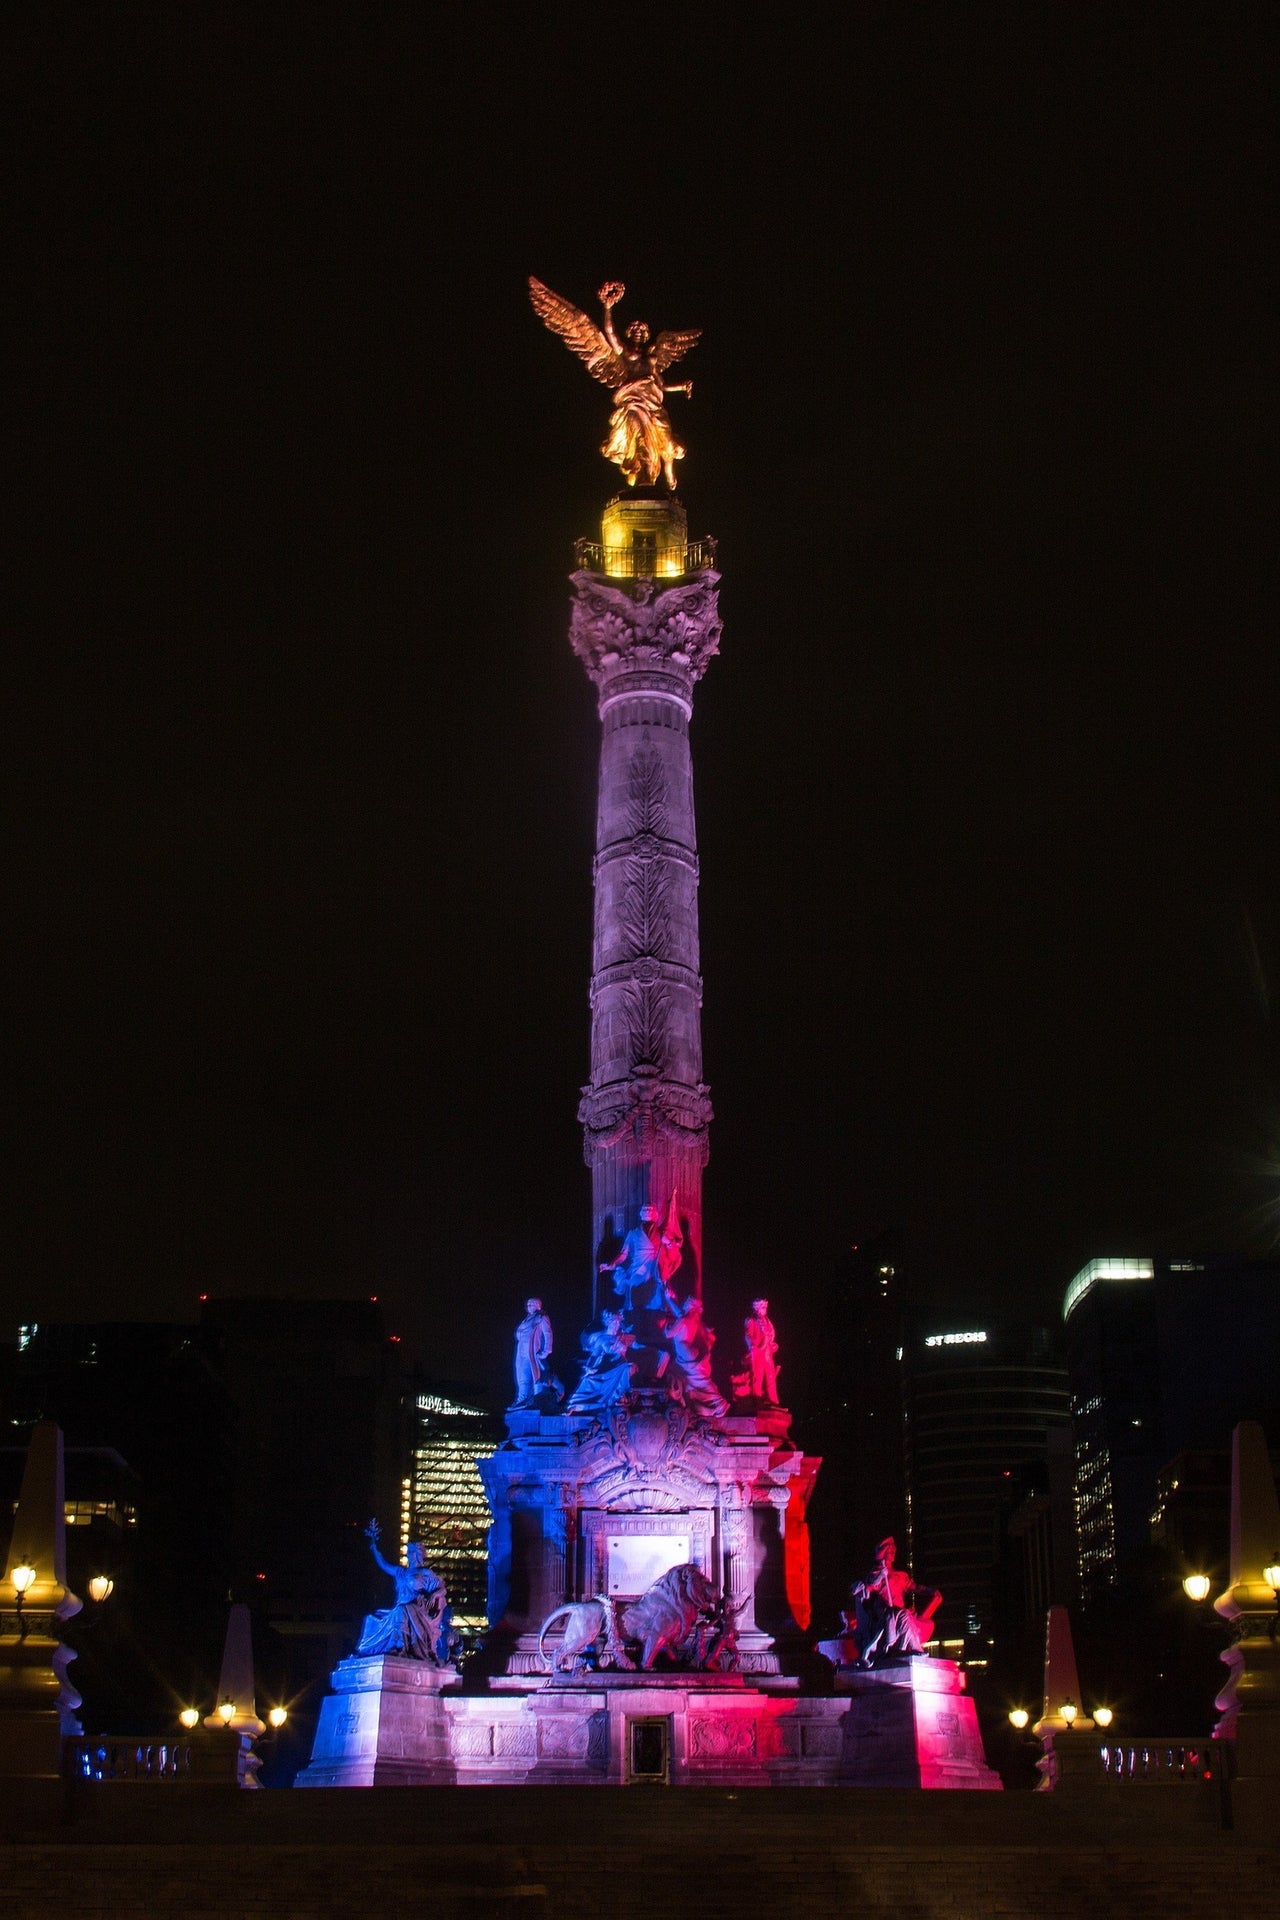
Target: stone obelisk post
(1249, 1703)
(37, 1700)
(645, 624)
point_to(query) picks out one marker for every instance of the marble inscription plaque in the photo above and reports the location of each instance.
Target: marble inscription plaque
(636, 1560)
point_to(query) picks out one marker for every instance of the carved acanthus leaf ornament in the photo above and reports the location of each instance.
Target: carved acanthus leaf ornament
(620, 628)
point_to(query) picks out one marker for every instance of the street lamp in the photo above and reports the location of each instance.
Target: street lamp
(1196, 1586)
(1102, 1717)
(101, 1587)
(277, 1716)
(227, 1712)
(23, 1577)
(1271, 1574)
(1018, 1717)
(1069, 1710)
(189, 1718)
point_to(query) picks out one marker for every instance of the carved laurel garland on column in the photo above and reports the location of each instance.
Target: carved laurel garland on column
(646, 911)
(646, 791)
(647, 1009)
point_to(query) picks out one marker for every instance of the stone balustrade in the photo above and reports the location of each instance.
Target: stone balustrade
(111, 1759)
(1157, 1762)
(214, 1758)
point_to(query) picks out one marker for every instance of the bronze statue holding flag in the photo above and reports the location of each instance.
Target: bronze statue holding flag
(650, 1255)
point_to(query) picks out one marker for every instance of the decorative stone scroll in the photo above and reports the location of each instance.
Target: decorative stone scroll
(643, 1113)
(718, 1737)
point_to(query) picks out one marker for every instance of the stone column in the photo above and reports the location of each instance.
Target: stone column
(37, 1700)
(739, 1573)
(537, 1572)
(738, 1550)
(1249, 1703)
(645, 641)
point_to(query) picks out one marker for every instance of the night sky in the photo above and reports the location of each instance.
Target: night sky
(301, 771)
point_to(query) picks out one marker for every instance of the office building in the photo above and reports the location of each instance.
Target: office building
(316, 1386)
(855, 1425)
(1164, 1356)
(149, 1431)
(980, 1405)
(443, 1502)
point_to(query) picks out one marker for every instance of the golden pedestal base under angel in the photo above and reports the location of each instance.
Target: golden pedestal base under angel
(640, 440)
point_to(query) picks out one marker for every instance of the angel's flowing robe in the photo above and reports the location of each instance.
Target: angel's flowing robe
(640, 439)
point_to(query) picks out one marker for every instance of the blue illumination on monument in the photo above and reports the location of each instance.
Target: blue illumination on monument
(648, 1556)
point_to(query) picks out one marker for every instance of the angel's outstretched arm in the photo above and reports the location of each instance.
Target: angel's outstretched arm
(610, 294)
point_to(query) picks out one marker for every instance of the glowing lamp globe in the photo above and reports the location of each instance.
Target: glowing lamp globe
(1271, 1574)
(1102, 1716)
(101, 1587)
(1069, 1710)
(23, 1578)
(1196, 1586)
(227, 1712)
(189, 1717)
(277, 1716)
(1019, 1718)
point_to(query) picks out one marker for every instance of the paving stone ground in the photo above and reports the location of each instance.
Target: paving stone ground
(582, 1854)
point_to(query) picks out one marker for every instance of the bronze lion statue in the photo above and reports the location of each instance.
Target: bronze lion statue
(663, 1620)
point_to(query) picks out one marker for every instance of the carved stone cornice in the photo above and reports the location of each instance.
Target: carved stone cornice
(643, 1111)
(640, 628)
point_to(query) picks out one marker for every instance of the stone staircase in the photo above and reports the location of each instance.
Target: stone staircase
(578, 1854)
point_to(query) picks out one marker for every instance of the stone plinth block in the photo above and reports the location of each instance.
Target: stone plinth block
(912, 1726)
(710, 1730)
(384, 1725)
(30, 1724)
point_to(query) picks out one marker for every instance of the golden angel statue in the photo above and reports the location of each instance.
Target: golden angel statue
(640, 439)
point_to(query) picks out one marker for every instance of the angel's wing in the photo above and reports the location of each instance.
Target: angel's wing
(670, 347)
(583, 335)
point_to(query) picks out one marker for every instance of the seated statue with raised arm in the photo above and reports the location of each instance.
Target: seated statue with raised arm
(888, 1623)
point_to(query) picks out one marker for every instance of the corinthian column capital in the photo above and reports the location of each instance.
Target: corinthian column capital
(624, 629)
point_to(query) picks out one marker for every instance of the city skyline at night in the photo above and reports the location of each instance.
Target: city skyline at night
(987, 806)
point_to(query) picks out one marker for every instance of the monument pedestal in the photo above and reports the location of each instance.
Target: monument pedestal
(912, 1726)
(384, 1725)
(395, 1722)
(31, 1723)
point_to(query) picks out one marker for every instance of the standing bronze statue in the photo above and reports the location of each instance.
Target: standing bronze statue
(640, 439)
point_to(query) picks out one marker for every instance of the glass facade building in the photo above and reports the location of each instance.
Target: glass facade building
(1115, 1412)
(1165, 1356)
(979, 1405)
(443, 1504)
(855, 1420)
